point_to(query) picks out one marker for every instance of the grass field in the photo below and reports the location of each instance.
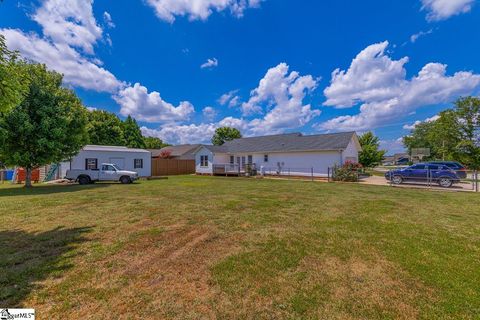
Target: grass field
(202, 247)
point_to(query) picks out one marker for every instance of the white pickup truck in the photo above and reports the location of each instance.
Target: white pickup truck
(107, 172)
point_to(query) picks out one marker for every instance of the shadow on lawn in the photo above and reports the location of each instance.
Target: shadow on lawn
(28, 258)
(48, 189)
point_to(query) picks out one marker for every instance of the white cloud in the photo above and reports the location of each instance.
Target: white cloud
(69, 22)
(150, 107)
(182, 134)
(199, 9)
(209, 113)
(392, 146)
(416, 36)
(231, 98)
(371, 76)
(107, 18)
(416, 123)
(444, 9)
(77, 70)
(192, 133)
(210, 63)
(380, 83)
(282, 93)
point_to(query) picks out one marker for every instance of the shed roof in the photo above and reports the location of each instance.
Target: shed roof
(112, 149)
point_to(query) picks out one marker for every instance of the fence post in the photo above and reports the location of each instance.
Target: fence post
(328, 174)
(312, 173)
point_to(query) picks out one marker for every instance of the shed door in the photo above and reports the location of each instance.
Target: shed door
(120, 162)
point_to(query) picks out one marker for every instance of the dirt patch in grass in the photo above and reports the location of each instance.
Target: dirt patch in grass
(168, 272)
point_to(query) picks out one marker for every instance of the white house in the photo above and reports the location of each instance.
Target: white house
(287, 154)
(91, 157)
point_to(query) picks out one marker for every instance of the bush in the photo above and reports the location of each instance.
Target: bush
(347, 173)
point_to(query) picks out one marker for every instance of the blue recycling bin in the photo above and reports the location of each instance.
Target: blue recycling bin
(9, 175)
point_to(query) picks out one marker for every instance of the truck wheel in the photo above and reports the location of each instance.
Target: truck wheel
(83, 180)
(125, 180)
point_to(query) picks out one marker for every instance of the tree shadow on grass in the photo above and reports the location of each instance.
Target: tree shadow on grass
(12, 191)
(29, 258)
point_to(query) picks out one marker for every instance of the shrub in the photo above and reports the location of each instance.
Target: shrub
(347, 173)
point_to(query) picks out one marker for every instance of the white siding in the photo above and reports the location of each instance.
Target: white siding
(351, 152)
(125, 157)
(198, 166)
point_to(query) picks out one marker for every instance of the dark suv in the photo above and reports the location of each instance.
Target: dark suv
(457, 167)
(424, 172)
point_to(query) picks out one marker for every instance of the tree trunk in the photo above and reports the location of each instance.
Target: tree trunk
(28, 177)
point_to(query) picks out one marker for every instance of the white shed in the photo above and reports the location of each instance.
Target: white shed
(91, 157)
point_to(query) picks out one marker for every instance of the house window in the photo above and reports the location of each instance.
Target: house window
(265, 158)
(138, 164)
(203, 161)
(232, 160)
(250, 159)
(91, 164)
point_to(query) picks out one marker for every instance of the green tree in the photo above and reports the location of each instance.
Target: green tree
(105, 128)
(154, 143)
(225, 134)
(371, 154)
(132, 134)
(13, 78)
(48, 126)
(468, 114)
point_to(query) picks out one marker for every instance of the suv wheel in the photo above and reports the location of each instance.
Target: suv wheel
(397, 180)
(125, 180)
(83, 180)
(445, 182)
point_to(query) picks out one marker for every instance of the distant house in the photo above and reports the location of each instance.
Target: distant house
(294, 154)
(181, 152)
(396, 159)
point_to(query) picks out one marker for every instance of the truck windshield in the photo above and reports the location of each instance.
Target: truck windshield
(116, 167)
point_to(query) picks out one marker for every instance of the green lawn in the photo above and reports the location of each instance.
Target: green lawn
(203, 247)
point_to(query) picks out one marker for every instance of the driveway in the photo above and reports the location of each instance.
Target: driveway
(381, 181)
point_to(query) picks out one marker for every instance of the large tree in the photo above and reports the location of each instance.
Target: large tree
(132, 134)
(455, 135)
(13, 78)
(105, 128)
(468, 115)
(371, 154)
(154, 143)
(48, 126)
(225, 134)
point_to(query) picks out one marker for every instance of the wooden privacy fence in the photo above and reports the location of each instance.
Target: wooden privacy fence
(171, 167)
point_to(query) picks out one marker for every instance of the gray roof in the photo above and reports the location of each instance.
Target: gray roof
(293, 142)
(186, 151)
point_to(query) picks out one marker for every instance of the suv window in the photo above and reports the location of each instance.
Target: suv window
(418, 167)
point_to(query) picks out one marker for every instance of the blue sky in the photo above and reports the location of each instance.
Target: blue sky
(184, 67)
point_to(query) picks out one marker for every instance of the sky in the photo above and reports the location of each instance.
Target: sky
(183, 68)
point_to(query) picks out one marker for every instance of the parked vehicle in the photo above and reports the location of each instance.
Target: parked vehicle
(107, 172)
(403, 161)
(424, 172)
(456, 166)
